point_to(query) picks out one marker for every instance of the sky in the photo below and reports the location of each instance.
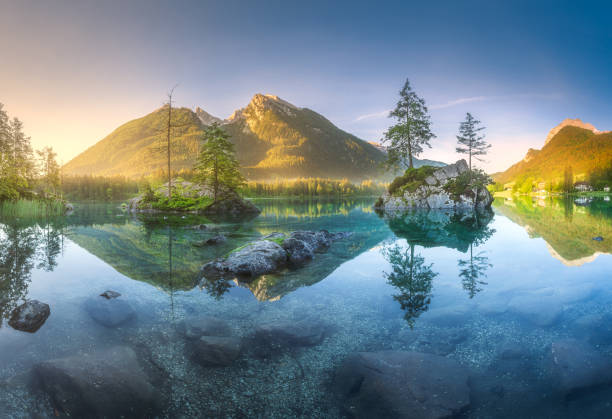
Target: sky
(73, 71)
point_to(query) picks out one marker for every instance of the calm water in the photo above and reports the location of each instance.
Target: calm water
(493, 292)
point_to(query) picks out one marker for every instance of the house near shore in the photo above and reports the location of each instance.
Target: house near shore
(606, 189)
(583, 187)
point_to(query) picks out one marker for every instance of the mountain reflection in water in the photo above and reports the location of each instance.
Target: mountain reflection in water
(474, 292)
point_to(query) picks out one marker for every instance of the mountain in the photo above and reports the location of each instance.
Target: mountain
(571, 143)
(273, 138)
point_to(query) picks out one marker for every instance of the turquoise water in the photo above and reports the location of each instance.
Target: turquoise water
(493, 292)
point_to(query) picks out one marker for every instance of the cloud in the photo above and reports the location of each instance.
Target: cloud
(463, 100)
(460, 101)
(380, 114)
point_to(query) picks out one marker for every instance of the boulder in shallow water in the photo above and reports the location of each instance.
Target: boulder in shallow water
(256, 258)
(218, 239)
(299, 252)
(396, 384)
(109, 313)
(30, 316)
(109, 383)
(196, 327)
(292, 333)
(216, 351)
(578, 366)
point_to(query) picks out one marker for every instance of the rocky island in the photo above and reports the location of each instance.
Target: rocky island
(191, 197)
(449, 187)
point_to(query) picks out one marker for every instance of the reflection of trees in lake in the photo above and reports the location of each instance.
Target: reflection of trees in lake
(412, 278)
(462, 231)
(23, 248)
(472, 270)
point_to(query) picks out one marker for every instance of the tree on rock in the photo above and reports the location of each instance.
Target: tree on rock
(471, 142)
(216, 165)
(412, 131)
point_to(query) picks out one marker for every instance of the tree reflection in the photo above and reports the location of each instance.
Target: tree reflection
(472, 271)
(23, 248)
(413, 279)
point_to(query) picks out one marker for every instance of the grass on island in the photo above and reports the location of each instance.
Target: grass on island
(411, 180)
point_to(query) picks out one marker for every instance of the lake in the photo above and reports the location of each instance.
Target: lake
(517, 303)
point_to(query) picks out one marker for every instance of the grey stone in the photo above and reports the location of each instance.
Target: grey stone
(317, 240)
(109, 383)
(109, 313)
(196, 327)
(298, 251)
(30, 316)
(213, 351)
(292, 333)
(577, 365)
(396, 384)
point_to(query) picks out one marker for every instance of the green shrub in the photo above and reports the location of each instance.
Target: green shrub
(465, 182)
(411, 180)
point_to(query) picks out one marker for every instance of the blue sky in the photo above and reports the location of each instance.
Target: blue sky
(75, 70)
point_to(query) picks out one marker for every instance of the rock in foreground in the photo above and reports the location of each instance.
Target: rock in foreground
(578, 366)
(439, 190)
(270, 254)
(30, 316)
(395, 384)
(109, 383)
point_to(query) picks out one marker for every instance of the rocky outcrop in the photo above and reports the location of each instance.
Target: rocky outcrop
(228, 203)
(270, 254)
(108, 383)
(396, 384)
(437, 192)
(231, 205)
(30, 316)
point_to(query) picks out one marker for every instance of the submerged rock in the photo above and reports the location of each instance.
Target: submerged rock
(398, 384)
(109, 312)
(218, 239)
(30, 316)
(578, 365)
(291, 333)
(196, 327)
(109, 295)
(216, 351)
(109, 383)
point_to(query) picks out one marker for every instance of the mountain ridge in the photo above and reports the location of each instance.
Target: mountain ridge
(572, 143)
(272, 137)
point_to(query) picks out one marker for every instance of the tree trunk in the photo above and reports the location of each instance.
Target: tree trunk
(168, 141)
(216, 183)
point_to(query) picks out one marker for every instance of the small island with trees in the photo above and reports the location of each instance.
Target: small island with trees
(455, 186)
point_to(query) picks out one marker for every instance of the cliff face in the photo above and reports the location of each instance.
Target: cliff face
(436, 192)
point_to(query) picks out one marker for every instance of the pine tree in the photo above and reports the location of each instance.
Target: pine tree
(49, 170)
(471, 141)
(412, 131)
(216, 165)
